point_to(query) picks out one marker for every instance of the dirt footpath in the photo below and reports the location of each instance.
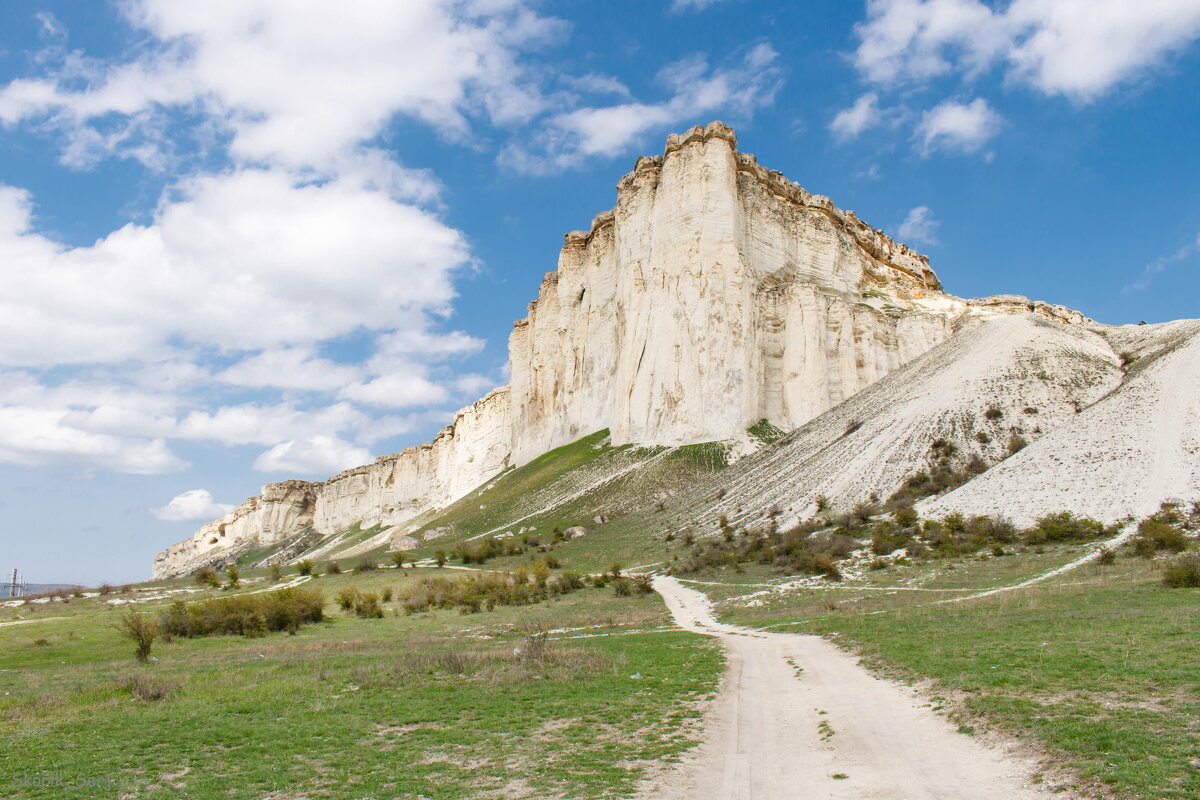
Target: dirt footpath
(798, 718)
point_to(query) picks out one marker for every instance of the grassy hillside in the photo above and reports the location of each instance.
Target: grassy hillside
(636, 491)
(438, 704)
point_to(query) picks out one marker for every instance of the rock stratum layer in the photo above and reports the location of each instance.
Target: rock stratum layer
(715, 294)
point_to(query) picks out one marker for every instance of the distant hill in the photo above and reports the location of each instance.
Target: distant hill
(36, 588)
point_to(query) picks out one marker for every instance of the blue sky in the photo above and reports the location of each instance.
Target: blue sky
(247, 240)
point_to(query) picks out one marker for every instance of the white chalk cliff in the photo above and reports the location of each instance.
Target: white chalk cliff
(715, 294)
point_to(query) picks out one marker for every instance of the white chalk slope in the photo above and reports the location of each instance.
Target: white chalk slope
(1036, 374)
(1122, 456)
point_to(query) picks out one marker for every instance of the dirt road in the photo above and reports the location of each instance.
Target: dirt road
(798, 718)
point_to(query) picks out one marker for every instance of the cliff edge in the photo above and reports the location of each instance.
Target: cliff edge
(716, 293)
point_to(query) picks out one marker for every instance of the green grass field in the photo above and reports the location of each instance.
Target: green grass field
(1097, 668)
(433, 705)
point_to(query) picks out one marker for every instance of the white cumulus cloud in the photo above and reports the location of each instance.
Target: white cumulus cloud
(919, 227)
(298, 82)
(39, 436)
(1077, 48)
(958, 127)
(246, 260)
(314, 455)
(850, 122)
(196, 504)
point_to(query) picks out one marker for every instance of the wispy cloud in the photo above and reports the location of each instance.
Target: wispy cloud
(919, 227)
(1163, 263)
(738, 86)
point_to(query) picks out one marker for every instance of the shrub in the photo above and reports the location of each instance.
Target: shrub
(907, 517)
(366, 564)
(570, 580)
(204, 576)
(483, 590)
(488, 548)
(367, 606)
(615, 569)
(623, 587)
(1107, 557)
(332, 568)
(276, 573)
(993, 413)
(887, 538)
(139, 629)
(644, 584)
(386, 595)
(106, 588)
(305, 567)
(244, 615)
(1183, 572)
(983, 438)
(1016, 443)
(346, 598)
(398, 559)
(233, 577)
(440, 558)
(1064, 527)
(1153, 536)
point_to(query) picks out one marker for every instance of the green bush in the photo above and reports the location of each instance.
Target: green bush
(141, 630)
(204, 576)
(333, 568)
(1065, 527)
(346, 598)
(368, 606)
(484, 590)
(398, 559)
(233, 577)
(366, 564)
(1153, 536)
(488, 548)
(306, 567)
(622, 587)
(244, 615)
(571, 580)
(276, 573)
(1183, 572)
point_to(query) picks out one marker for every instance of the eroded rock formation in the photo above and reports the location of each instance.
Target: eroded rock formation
(715, 294)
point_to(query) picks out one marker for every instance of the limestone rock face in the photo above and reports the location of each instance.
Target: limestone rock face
(715, 294)
(282, 510)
